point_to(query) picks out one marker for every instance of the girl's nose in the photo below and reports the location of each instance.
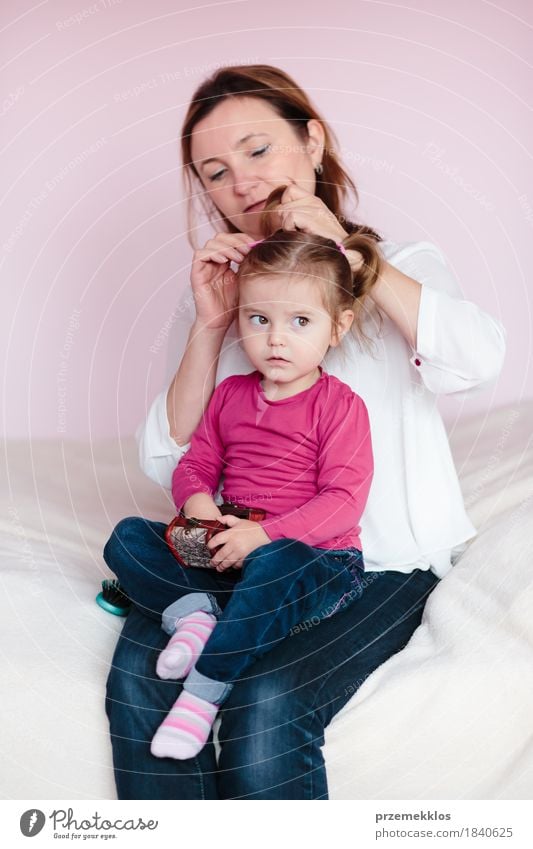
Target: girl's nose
(275, 337)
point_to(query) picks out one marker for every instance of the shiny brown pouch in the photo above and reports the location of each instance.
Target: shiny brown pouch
(187, 537)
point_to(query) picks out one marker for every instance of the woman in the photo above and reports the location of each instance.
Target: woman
(248, 130)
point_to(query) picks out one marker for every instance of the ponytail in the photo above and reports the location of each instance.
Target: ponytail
(369, 270)
(364, 278)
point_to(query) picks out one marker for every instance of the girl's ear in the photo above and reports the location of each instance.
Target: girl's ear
(341, 328)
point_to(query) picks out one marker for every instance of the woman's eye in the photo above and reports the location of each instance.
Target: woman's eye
(218, 174)
(260, 150)
(301, 321)
(258, 319)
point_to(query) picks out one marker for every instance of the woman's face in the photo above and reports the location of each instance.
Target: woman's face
(243, 150)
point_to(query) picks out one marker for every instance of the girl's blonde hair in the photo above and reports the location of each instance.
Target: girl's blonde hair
(289, 101)
(306, 254)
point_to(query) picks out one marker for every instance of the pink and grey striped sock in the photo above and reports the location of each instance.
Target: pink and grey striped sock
(185, 645)
(184, 732)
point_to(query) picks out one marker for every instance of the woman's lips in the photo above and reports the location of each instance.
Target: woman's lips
(256, 207)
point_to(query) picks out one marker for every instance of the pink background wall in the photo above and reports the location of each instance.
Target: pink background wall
(431, 105)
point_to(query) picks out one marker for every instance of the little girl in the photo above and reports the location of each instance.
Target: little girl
(288, 438)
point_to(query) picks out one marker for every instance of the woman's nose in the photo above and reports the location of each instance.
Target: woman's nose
(243, 187)
(244, 180)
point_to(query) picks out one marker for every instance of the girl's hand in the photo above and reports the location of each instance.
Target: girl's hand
(214, 284)
(237, 542)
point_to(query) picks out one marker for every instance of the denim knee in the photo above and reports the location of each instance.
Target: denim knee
(122, 537)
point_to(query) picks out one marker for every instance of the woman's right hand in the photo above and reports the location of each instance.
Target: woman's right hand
(214, 284)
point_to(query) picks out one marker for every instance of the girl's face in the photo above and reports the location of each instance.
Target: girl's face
(285, 329)
(243, 150)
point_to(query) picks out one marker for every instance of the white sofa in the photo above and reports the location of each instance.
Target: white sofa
(449, 717)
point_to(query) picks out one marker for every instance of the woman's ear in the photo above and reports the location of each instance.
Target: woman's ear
(317, 137)
(341, 328)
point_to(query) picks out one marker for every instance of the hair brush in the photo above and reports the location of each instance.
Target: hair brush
(113, 598)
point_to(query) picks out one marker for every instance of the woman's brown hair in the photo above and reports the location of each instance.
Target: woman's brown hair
(290, 102)
(289, 252)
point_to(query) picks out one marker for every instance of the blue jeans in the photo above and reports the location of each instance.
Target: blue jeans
(272, 724)
(282, 584)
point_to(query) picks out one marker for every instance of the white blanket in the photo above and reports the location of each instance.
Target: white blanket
(447, 717)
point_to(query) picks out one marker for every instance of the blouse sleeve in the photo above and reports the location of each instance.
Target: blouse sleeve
(159, 453)
(459, 346)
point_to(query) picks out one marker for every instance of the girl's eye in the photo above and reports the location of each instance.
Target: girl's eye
(258, 319)
(301, 321)
(216, 175)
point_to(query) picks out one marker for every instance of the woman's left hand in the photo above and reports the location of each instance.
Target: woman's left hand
(300, 210)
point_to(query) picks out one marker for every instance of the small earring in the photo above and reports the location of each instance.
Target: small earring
(319, 169)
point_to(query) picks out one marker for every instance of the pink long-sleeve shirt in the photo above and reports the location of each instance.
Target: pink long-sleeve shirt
(306, 460)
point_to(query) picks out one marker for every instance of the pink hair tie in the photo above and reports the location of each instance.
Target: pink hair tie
(341, 248)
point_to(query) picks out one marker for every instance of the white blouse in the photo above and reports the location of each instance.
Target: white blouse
(415, 516)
